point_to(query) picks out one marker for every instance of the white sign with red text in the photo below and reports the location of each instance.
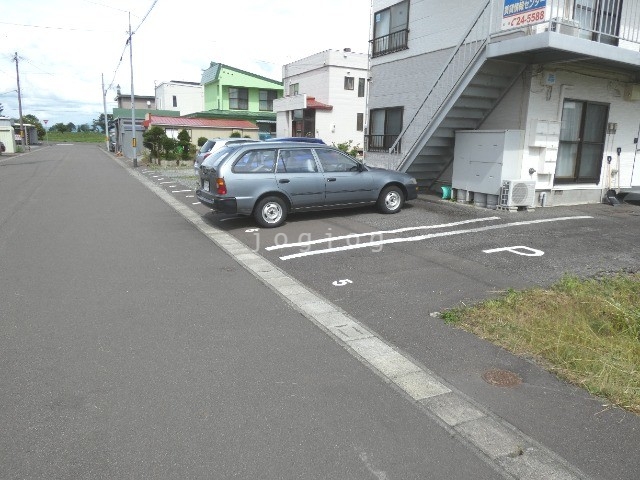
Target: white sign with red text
(518, 13)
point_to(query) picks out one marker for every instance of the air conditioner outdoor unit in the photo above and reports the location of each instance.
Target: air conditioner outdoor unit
(517, 193)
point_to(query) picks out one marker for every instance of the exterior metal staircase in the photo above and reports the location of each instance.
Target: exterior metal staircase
(467, 90)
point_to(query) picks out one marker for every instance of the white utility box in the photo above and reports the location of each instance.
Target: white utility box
(483, 159)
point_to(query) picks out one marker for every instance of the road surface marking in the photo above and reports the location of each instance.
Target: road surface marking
(518, 250)
(428, 236)
(379, 233)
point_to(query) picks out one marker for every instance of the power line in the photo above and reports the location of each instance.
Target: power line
(53, 28)
(146, 15)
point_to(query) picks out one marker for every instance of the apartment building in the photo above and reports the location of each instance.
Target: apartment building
(510, 103)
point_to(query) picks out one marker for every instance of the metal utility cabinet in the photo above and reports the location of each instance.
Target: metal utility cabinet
(483, 159)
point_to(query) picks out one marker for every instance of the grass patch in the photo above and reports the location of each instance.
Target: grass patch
(586, 331)
(77, 137)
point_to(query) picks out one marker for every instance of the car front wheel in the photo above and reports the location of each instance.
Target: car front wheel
(270, 212)
(391, 199)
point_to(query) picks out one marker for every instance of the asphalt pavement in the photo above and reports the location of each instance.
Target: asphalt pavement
(141, 340)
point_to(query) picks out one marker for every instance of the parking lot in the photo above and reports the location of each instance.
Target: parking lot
(435, 253)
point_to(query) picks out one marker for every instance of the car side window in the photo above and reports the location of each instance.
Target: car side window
(298, 160)
(334, 161)
(256, 161)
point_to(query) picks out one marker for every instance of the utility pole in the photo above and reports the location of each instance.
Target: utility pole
(22, 135)
(104, 106)
(133, 106)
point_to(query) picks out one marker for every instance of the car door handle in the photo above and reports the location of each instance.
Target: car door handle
(284, 180)
(332, 179)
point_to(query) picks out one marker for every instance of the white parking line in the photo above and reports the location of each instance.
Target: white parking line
(418, 238)
(180, 191)
(379, 233)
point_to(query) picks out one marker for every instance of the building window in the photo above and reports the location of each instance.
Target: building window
(361, 87)
(390, 29)
(385, 127)
(175, 101)
(348, 83)
(294, 88)
(582, 138)
(360, 122)
(266, 100)
(238, 98)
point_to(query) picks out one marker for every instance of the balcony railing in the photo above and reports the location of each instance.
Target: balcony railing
(393, 42)
(381, 143)
(604, 21)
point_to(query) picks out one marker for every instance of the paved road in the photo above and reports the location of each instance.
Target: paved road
(134, 346)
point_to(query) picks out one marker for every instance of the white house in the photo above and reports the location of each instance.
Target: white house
(509, 102)
(179, 96)
(325, 97)
(7, 135)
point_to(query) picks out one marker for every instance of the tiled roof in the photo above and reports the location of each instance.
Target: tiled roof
(199, 122)
(313, 103)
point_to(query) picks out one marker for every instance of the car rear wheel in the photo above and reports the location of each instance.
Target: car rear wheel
(270, 212)
(391, 199)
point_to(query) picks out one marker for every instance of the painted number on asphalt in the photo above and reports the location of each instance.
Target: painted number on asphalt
(342, 283)
(518, 250)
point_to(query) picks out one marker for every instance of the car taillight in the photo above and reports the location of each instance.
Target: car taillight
(222, 187)
(206, 155)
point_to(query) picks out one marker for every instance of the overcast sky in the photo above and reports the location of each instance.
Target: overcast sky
(64, 47)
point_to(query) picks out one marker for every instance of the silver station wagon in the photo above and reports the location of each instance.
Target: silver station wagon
(269, 180)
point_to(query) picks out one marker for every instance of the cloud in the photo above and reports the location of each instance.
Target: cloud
(65, 47)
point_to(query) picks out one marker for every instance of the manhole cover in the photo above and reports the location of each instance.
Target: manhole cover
(501, 378)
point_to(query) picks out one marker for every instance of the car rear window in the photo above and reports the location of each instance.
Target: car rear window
(213, 160)
(208, 145)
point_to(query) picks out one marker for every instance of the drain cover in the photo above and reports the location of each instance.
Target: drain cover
(501, 378)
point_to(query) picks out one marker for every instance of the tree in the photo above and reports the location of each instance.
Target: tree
(58, 127)
(84, 128)
(98, 123)
(1, 109)
(71, 127)
(184, 141)
(154, 139)
(33, 120)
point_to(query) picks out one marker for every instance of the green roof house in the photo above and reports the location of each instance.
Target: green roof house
(231, 93)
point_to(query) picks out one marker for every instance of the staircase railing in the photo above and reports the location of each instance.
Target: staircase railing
(463, 56)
